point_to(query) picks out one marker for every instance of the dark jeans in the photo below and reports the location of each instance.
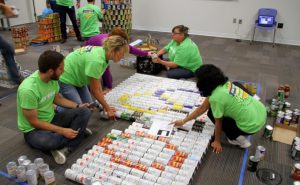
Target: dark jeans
(63, 11)
(228, 124)
(8, 53)
(53, 6)
(46, 140)
(179, 72)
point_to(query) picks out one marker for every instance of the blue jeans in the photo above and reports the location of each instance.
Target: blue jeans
(46, 140)
(76, 94)
(179, 72)
(8, 53)
(63, 11)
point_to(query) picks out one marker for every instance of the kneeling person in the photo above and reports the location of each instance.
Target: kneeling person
(44, 129)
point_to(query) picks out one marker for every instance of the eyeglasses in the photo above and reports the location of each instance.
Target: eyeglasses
(174, 33)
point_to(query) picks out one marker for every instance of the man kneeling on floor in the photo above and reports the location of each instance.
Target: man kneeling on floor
(44, 129)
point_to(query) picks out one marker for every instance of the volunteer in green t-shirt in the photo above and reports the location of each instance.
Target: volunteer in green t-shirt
(230, 106)
(44, 129)
(89, 16)
(64, 7)
(184, 55)
(85, 66)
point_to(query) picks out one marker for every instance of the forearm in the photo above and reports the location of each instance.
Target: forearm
(137, 52)
(43, 125)
(218, 130)
(161, 52)
(63, 102)
(98, 95)
(198, 112)
(169, 64)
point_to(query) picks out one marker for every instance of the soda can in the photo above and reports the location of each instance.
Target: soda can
(132, 179)
(162, 180)
(119, 174)
(82, 162)
(88, 172)
(77, 168)
(133, 158)
(42, 169)
(172, 170)
(295, 173)
(295, 117)
(260, 153)
(124, 169)
(71, 174)
(49, 178)
(268, 132)
(26, 163)
(32, 166)
(296, 141)
(146, 162)
(287, 120)
(252, 164)
(88, 157)
(150, 177)
(38, 161)
(168, 175)
(137, 173)
(31, 177)
(21, 159)
(11, 168)
(296, 153)
(280, 118)
(162, 160)
(21, 173)
(80, 178)
(98, 148)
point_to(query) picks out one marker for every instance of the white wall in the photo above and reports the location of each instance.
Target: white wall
(215, 17)
(203, 17)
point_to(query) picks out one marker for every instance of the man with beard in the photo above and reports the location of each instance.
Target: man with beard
(59, 133)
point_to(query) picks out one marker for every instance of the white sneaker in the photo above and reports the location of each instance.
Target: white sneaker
(241, 141)
(88, 132)
(59, 155)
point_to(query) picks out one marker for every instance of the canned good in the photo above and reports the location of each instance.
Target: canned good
(49, 178)
(21, 173)
(252, 163)
(80, 178)
(260, 153)
(280, 118)
(38, 161)
(31, 177)
(268, 132)
(11, 168)
(137, 173)
(150, 177)
(296, 171)
(162, 180)
(295, 117)
(296, 153)
(77, 168)
(296, 141)
(42, 169)
(287, 120)
(21, 159)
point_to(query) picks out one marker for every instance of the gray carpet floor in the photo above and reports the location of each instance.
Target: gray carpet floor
(260, 63)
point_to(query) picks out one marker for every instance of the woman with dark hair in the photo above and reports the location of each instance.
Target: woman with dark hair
(97, 40)
(183, 54)
(230, 107)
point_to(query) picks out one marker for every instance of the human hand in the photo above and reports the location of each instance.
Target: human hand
(8, 10)
(150, 53)
(69, 133)
(217, 147)
(178, 123)
(111, 113)
(78, 4)
(103, 11)
(84, 105)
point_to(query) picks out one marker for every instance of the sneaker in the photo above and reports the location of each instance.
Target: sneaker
(244, 142)
(88, 132)
(241, 141)
(60, 155)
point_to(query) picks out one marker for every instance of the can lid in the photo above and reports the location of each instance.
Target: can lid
(261, 148)
(296, 183)
(253, 158)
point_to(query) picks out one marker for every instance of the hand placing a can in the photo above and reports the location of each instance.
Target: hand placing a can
(111, 113)
(155, 58)
(217, 147)
(178, 123)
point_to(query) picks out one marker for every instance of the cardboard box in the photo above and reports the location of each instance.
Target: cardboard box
(284, 133)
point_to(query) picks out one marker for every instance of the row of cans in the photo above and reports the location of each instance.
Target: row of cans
(288, 117)
(118, 12)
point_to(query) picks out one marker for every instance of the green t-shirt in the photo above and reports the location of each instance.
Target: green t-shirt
(89, 16)
(82, 64)
(231, 101)
(68, 3)
(185, 55)
(34, 93)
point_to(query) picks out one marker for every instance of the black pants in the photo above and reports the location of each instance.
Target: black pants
(63, 11)
(229, 126)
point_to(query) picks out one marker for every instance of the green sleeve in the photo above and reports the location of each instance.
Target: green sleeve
(28, 99)
(217, 108)
(93, 69)
(167, 47)
(99, 14)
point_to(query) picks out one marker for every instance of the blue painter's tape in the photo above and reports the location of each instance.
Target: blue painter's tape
(243, 168)
(2, 173)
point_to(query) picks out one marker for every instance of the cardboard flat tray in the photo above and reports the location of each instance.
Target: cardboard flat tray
(284, 133)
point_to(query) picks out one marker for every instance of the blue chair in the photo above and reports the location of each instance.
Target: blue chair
(266, 20)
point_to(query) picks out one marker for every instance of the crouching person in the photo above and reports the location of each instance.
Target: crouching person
(45, 130)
